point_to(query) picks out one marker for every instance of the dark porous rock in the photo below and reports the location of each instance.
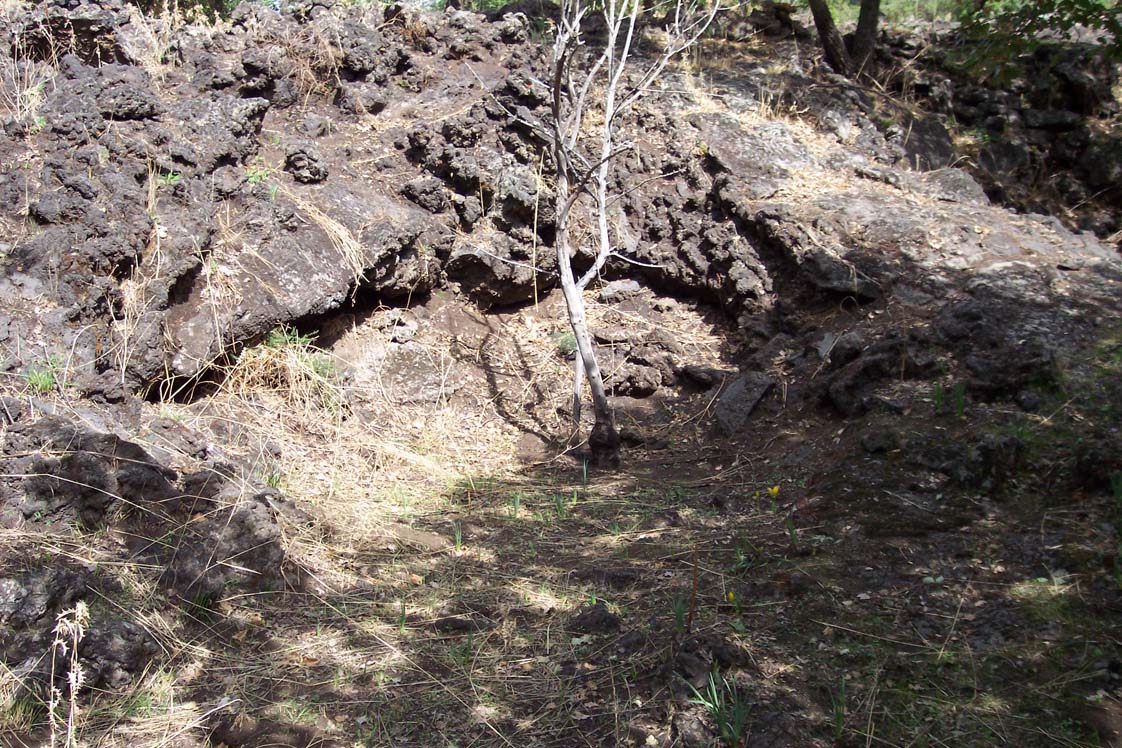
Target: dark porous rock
(262, 66)
(39, 595)
(987, 463)
(173, 435)
(1029, 401)
(658, 358)
(952, 185)
(603, 445)
(595, 619)
(1055, 120)
(85, 471)
(361, 51)
(739, 398)
(1005, 157)
(614, 334)
(619, 290)
(219, 127)
(700, 655)
(1098, 461)
(314, 126)
(304, 162)
(1102, 162)
(925, 142)
(761, 160)
(427, 192)
(1008, 369)
(878, 440)
(497, 272)
(847, 347)
(458, 624)
(12, 409)
(398, 325)
(633, 380)
(847, 389)
(227, 180)
(820, 258)
(360, 98)
(688, 729)
(705, 376)
(237, 547)
(114, 655)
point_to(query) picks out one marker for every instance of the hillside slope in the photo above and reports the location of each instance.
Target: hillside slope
(284, 388)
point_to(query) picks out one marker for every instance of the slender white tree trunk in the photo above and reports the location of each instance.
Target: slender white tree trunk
(604, 440)
(580, 81)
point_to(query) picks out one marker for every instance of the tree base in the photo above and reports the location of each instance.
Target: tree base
(603, 444)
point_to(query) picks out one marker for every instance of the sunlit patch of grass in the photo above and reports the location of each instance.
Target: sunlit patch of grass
(19, 710)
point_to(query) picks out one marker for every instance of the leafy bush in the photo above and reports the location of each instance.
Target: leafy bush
(1025, 20)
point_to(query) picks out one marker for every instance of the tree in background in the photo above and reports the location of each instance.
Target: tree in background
(1010, 25)
(593, 87)
(842, 59)
(1027, 19)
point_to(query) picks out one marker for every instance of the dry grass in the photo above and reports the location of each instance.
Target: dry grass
(151, 38)
(23, 79)
(313, 52)
(349, 248)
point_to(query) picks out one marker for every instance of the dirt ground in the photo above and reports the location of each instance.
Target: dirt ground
(463, 579)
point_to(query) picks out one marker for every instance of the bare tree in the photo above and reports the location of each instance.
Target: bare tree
(836, 53)
(844, 60)
(609, 78)
(865, 38)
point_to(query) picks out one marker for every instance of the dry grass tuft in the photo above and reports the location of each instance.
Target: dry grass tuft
(288, 366)
(341, 237)
(23, 80)
(151, 39)
(313, 52)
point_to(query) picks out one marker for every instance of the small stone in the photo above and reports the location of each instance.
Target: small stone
(595, 619)
(305, 164)
(618, 290)
(877, 441)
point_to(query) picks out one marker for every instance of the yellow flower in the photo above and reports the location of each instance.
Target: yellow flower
(732, 597)
(773, 491)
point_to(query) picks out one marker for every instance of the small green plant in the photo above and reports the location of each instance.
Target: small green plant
(201, 606)
(257, 172)
(462, 653)
(42, 377)
(401, 617)
(20, 710)
(837, 703)
(747, 556)
(792, 531)
(515, 505)
(274, 478)
(727, 706)
(680, 605)
(560, 505)
(458, 535)
(285, 337)
(273, 190)
(566, 343)
(939, 397)
(959, 395)
(169, 179)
